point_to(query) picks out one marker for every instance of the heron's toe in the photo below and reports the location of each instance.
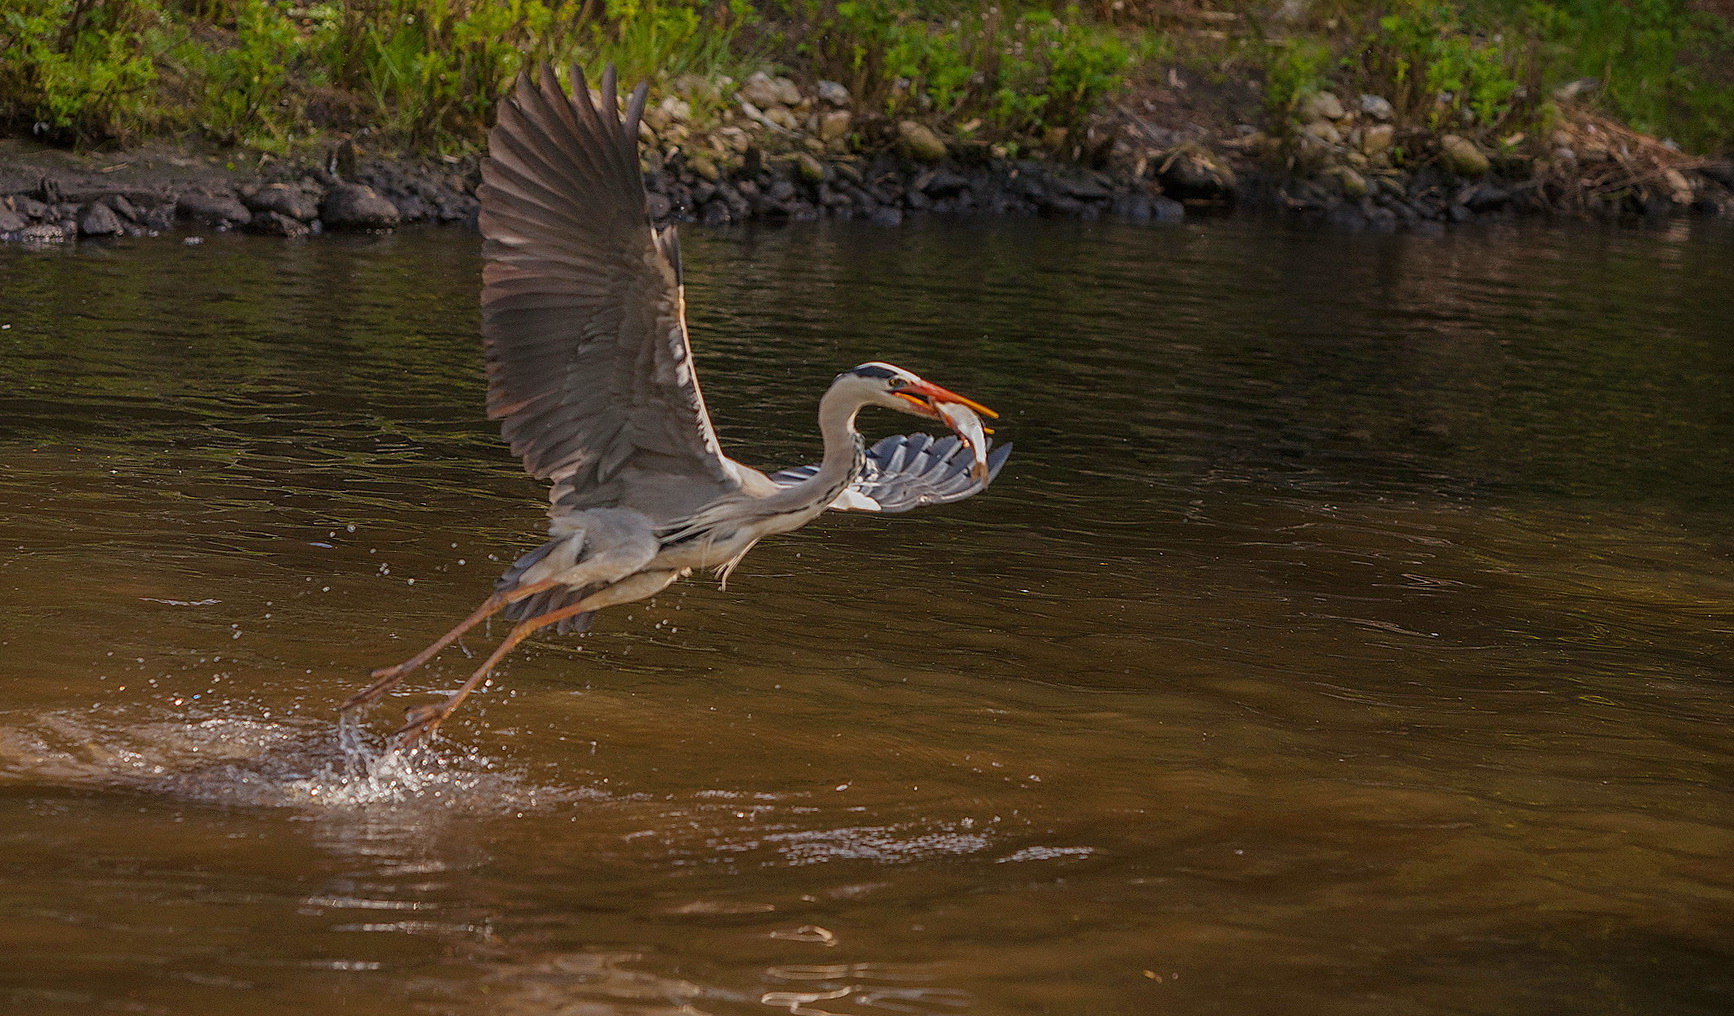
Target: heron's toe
(419, 722)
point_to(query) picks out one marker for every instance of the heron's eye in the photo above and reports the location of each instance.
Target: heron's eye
(896, 383)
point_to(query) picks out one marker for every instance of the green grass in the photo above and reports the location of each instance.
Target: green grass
(266, 74)
(1489, 66)
(280, 75)
(1665, 68)
(1020, 69)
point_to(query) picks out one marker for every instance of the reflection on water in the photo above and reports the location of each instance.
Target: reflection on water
(1349, 633)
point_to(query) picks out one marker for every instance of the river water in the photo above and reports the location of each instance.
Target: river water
(1349, 633)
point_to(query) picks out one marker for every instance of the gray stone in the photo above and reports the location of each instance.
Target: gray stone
(1352, 184)
(1321, 106)
(160, 218)
(918, 142)
(43, 232)
(1377, 139)
(1460, 156)
(1324, 132)
(99, 220)
(1486, 198)
(787, 93)
(832, 93)
(122, 207)
(357, 206)
(734, 139)
(704, 167)
(1378, 107)
(1192, 172)
(944, 185)
(762, 90)
(834, 126)
(676, 109)
(284, 200)
(809, 168)
(1141, 207)
(29, 207)
(277, 224)
(221, 210)
(11, 221)
(1082, 187)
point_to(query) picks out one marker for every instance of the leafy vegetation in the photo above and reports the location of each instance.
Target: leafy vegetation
(80, 64)
(1294, 69)
(1023, 71)
(1438, 72)
(1491, 65)
(1664, 66)
(260, 73)
(275, 74)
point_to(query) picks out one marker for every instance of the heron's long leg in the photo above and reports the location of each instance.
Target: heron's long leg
(424, 720)
(386, 678)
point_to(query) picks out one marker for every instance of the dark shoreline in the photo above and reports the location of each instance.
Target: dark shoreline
(50, 196)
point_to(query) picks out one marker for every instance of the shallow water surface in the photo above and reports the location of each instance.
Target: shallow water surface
(1349, 633)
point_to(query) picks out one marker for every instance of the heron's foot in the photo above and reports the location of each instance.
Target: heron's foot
(385, 679)
(421, 722)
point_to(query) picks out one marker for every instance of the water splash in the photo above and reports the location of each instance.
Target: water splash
(244, 760)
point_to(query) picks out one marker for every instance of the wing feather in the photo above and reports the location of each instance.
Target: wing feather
(908, 471)
(589, 364)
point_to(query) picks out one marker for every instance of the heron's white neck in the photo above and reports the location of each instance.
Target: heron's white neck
(842, 451)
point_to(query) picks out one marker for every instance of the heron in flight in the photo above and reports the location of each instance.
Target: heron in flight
(590, 373)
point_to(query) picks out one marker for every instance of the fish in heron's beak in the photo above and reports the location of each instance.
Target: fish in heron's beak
(955, 412)
(967, 426)
(927, 396)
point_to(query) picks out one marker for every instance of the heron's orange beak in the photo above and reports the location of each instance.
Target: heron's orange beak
(923, 393)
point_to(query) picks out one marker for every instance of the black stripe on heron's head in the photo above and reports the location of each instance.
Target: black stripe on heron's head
(877, 370)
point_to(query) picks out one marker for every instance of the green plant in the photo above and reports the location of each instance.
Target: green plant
(1295, 69)
(1434, 70)
(1664, 66)
(87, 70)
(245, 83)
(1074, 67)
(663, 39)
(1025, 75)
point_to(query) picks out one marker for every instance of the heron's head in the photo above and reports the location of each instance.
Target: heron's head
(882, 384)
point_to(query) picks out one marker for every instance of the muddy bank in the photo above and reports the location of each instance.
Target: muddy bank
(769, 150)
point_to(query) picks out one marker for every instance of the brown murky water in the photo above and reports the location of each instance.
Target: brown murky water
(1350, 633)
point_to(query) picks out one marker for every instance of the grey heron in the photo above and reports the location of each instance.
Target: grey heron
(590, 373)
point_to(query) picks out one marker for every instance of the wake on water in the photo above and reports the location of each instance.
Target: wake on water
(248, 761)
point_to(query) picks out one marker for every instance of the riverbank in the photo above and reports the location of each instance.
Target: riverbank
(1373, 114)
(771, 149)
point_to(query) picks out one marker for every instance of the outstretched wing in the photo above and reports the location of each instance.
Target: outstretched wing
(907, 471)
(583, 317)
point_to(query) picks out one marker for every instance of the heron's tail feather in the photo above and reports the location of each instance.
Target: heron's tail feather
(548, 600)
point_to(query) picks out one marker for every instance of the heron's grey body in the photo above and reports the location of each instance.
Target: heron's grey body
(590, 373)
